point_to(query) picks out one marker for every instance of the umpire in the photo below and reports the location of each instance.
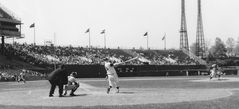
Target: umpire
(57, 78)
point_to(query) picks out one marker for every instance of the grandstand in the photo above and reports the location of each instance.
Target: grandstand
(37, 55)
(10, 26)
(43, 58)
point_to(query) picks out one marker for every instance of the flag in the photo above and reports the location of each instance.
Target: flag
(32, 25)
(88, 30)
(164, 37)
(146, 34)
(103, 32)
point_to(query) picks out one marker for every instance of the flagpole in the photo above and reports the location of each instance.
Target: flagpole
(89, 38)
(147, 42)
(165, 43)
(34, 35)
(104, 40)
(54, 39)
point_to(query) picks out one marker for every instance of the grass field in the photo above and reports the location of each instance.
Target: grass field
(136, 93)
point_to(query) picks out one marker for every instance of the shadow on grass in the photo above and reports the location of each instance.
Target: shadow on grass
(76, 95)
(126, 92)
(223, 79)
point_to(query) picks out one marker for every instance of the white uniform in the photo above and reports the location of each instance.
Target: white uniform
(72, 83)
(213, 72)
(71, 79)
(112, 75)
(21, 77)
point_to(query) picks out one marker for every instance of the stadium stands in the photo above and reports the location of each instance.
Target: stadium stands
(89, 60)
(39, 55)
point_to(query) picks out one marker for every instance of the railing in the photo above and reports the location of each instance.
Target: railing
(191, 55)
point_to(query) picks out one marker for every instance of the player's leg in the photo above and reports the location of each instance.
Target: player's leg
(18, 79)
(24, 80)
(110, 80)
(219, 73)
(219, 76)
(74, 89)
(117, 89)
(65, 88)
(108, 89)
(53, 87)
(212, 74)
(116, 84)
(60, 86)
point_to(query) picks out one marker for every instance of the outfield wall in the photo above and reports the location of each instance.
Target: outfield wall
(88, 71)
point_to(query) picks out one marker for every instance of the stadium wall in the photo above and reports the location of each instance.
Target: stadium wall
(89, 71)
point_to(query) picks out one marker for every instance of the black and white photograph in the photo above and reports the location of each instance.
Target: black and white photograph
(119, 54)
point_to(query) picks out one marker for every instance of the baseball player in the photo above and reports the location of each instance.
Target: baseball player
(111, 74)
(21, 77)
(215, 71)
(72, 84)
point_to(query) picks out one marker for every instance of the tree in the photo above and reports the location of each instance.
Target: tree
(218, 50)
(230, 43)
(236, 48)
(210, 57)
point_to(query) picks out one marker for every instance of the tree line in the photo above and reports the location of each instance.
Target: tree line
(222, 53)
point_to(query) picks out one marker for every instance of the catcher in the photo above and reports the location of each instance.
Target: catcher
(72, 84)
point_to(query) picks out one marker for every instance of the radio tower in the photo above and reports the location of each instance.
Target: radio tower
(183, 29)
(200, 42)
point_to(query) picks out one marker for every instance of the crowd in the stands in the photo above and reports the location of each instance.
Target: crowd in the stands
(9, 74)
(38, 55)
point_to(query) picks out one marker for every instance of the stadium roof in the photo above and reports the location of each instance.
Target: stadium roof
(10, 24)
(8, 16)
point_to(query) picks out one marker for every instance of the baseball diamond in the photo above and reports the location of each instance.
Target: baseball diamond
(134, 91)
(119, 54)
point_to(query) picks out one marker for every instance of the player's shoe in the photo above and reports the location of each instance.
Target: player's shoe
(72, 94)
(210, 78)
(50, 95)
(65, 93)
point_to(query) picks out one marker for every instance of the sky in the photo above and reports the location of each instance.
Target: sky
(125, 21)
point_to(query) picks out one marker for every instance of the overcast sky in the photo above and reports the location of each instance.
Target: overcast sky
(125, 21)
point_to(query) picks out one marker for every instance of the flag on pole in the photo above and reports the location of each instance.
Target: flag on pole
(146, 34)
(103, 32)
(88, 30)
(32, 25)
(164, 37)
